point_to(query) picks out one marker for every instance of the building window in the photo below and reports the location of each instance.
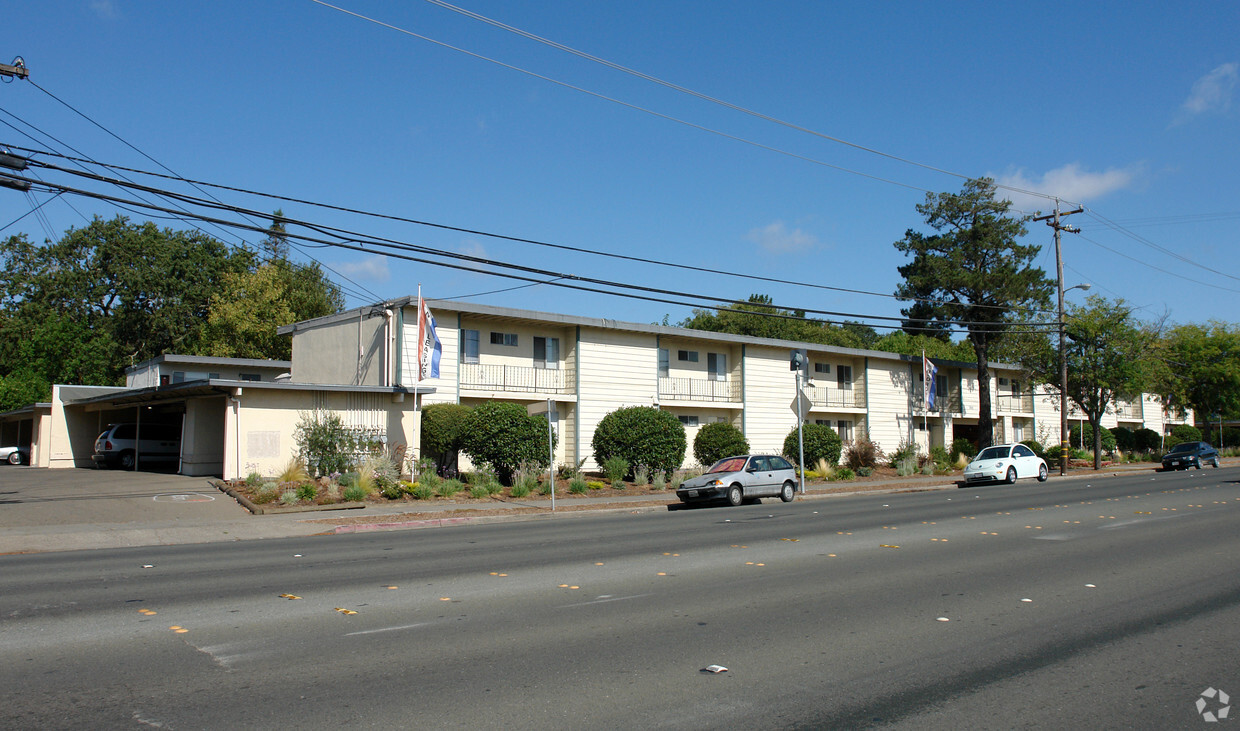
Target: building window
(509, 339)
(843, 376)
(844, 428)
(250, 377)
(940, 386)
(687, 356)
(722, 420)
(178, 377)
(822, 368)
(717, 366)
(688, 420)
(665, 363)
(469, 346)
(547, 353)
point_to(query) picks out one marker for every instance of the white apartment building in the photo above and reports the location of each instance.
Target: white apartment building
(588, 367)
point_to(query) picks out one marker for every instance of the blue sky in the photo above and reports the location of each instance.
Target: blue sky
(1129, 108)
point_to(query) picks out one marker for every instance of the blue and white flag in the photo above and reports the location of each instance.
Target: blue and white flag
(929, 371)
(429, 349)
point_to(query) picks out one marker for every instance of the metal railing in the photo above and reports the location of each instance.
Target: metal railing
(1124, 410)
(949, 404)
(836, 397)
(1009, 403)
(698, 389)
(524, 379)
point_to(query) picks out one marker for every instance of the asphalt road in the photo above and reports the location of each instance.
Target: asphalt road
(1068, 604)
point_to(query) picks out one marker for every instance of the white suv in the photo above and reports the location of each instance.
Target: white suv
(116, 445)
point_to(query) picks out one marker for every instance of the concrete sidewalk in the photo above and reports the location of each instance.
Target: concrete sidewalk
(74, 509)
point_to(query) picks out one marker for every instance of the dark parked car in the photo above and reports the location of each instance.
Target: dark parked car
(743, 478)
(1190, 454)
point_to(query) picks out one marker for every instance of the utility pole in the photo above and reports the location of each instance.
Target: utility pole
(1053, 221)
(17, 69)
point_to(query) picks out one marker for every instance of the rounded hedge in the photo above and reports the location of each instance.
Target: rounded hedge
(716, 441)
(1184, 433)
(1125, 438)
(821, 442)
(1147, 440)
(1108, 439)
(642, 435)
(501, 434)
(443, 427)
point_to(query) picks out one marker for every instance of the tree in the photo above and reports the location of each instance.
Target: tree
(972, 273)
(759, 318)
(443, 429)
(1202, 369)
(1107, 356)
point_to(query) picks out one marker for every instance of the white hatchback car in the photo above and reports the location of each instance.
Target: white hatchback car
(1005, 463)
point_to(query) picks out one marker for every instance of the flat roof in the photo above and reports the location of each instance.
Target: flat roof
(208, 360)
(222, 387)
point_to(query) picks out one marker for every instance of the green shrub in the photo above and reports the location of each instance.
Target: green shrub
(289, 497)
(865, 471)
(862, 454)
(965, 447)
(640, 435)
(1184, 433)
(1125, 438)
(716, 441)
(449, 488)
(266, 493)
(615, 468)
(354, 494)
(906, 466)
(618, 485)
(820, 440)
(1108, 439)
(843, 473)
(520, 489)
(939, 458)
(1036, 446)
(392, 491)
(423, 492)
(659, 480)
(324, 443)
(595, 485)
(502, 435)
(254, 479)
(348, 479)
(443, 429)
(907, 451)
(479, 492)
(1053, 454)
(577, 486)
(1147, 440)
(307, 491)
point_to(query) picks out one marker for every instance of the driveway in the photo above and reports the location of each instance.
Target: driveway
(65, 509)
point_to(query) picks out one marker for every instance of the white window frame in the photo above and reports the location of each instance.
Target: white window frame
(470, 338)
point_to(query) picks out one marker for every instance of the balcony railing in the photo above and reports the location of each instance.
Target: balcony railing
(1018, 404)
(949, 404)
(1128, 411)
(698, 389)
(523, 379)
(833, 397)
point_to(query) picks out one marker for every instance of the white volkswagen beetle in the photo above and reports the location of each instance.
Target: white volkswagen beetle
(1005, 463)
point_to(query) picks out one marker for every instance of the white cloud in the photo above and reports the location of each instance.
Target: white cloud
(1211, 92)
(373, 268)
(1071, 183)
(103, 8)
(776, 238)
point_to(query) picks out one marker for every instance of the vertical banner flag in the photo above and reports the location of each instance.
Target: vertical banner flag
(928, 373)
(429, 349)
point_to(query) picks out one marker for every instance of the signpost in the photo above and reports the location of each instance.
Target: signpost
(798, 360)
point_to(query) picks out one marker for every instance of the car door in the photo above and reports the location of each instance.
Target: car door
(1025, 460)
(760, 469)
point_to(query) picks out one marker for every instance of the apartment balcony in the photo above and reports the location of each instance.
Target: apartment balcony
(1127, 412)
(513, 379)
(832, 397)
(699, 389)
(949, 404)
(1006, 403)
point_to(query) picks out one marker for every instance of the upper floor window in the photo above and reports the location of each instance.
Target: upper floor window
(687, 356)
(509, 339)
(665, 364)
(717, 366)
(250, 377)
(469, 346)
(822, 368)
(843, 376)
(546, 353)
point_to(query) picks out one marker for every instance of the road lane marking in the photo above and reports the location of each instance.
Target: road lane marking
(386, 629)
(602, 600)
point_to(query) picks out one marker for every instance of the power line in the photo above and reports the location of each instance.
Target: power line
(1146, 242)
(515, 239)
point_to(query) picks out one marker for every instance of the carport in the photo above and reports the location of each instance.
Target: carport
(26, 427)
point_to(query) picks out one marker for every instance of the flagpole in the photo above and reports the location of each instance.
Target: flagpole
(925, 399)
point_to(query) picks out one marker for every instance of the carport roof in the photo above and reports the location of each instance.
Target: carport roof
(26, 410)
(219, 386)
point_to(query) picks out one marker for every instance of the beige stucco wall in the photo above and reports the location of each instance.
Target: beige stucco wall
(617, 369)
(770, 398)
(349, 352)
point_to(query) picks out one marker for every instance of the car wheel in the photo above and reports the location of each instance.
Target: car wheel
(1042, 473)
(1216, 463)
(1011, 475)
(127, 460)
(1197, 465)
(15, 458)
(787, 492)
(735, 496)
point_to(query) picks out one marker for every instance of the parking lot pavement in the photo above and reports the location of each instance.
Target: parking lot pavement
(66, 509)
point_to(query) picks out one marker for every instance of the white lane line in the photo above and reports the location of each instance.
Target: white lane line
(604, 601)
(385, 629)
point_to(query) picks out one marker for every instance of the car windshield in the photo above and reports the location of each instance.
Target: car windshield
(730, 464)
(994, 453)
(1185, 447)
